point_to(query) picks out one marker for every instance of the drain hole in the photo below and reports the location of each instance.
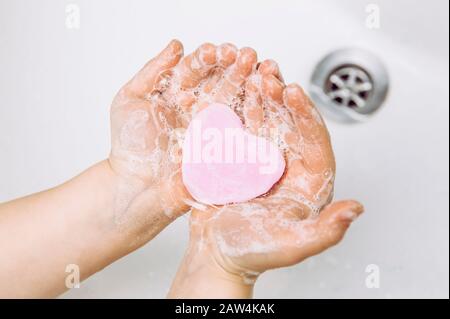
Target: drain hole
(363, 95)
(349, 85)
(338, 100)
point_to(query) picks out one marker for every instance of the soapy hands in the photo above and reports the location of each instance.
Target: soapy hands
(149, 115)
(151, 112)
(292, 221)
(295, 220)
(143, 148)
(121, 203)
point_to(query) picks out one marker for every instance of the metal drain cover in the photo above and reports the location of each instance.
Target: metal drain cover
(349, 84)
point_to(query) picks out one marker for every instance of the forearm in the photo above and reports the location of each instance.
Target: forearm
(74, 223)
(200, 276)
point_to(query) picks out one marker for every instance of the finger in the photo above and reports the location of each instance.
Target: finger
(272, 88)
(305, 114)
(253, 109)
(272, 96)
(196, 66)
(206, 96)
(211, 83)
(144, 81)
(226, 55)
(317, 153)
(268, 67)
(333, 222)
(235, 76)
(278, 117)
(313, 237)
(181, 102)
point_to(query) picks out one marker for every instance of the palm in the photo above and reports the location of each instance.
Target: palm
(150, 112)
(160, 101)
(282, 227)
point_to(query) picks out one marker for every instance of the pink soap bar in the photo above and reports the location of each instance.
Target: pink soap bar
(222, 163)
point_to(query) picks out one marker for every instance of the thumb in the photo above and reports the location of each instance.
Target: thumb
(144, 81)
(330, 227)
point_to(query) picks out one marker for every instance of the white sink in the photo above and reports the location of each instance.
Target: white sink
(56, 85)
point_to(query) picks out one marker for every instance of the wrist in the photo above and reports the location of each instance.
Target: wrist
(167, 195)
(202, 275)
(134, 211)
(92, 212)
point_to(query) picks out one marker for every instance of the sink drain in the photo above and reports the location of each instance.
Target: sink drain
(349, 84)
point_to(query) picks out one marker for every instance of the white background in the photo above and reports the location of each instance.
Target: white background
(56, 85)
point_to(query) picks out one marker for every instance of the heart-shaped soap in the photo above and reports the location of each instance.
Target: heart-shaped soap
(222, 163)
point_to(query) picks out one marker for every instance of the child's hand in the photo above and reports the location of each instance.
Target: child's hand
(141, 145)
(148, 117)
(231, 245)
(119, 204)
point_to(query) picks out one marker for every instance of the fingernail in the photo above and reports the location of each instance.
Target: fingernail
(349, 215)
(277, 81)
(357, 207)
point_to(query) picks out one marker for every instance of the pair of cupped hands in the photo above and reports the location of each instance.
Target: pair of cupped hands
(236, 242)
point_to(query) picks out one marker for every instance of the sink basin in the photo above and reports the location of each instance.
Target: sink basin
(57, 83)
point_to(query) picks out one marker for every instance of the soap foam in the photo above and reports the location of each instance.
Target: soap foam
(169, 93)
